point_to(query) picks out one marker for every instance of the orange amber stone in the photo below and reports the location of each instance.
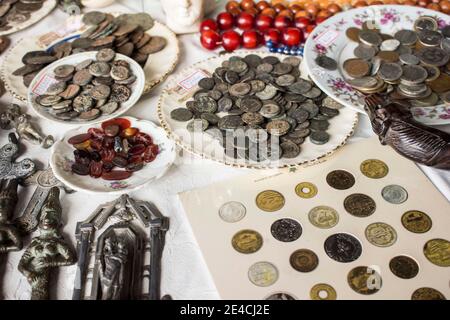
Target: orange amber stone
(323, 4)
(409, 3)
(83, 146)
(376, 2)
(301, 13)
(324, 14)
(445, 6)
(247, 4)
(232, 4)
(287, 13)
(334, 8)
(435, 1)
(252, 11)
(360, 4)
(269, 12)
(261, 5)
(423, 3)
(434, 6)
(312, 9)
(295, 8)
(129, 132)
(235, 11)
(279, 7)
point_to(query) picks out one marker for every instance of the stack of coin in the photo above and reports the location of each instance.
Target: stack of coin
(256, 101)
(17, 11)
(124, 34)
(411, 65)
(88, 89)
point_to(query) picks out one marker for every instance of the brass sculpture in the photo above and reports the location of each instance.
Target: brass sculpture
(395, 126)
(10, 239)
(47, 251)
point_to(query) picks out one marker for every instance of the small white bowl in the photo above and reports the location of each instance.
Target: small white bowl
(62, 159)
(45, 77)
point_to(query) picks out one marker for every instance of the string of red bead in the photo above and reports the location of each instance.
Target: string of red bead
(288, 24)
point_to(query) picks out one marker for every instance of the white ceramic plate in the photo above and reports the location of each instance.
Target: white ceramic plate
(180, 88)
(329, 38)
(62, 158)
(36, 16)
(158, 66)
(45, 77)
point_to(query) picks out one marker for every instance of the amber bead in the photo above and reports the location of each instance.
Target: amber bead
(253, 11)
(269, 12)
(322, 4)
(279, 7)
(445, 6)
(287, 13)
(261, 5)
(423, 3)
(436, 1)
(232, 4)
(360, 4)
(295, 8)
(434, 6)
(334, 8)
(235, 11)
(409, 3)
(301, 13)
(312, 9)
(247, 4)
(376, 2)
(324, 14)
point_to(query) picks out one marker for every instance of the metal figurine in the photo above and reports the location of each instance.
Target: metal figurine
(45, 181)
(47, 251)
(10, 169)
(14, 118)
(119, 250)
(10, 239)
(395, 126)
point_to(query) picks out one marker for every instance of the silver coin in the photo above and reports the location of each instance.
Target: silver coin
(425, 23)
(413, 74)
(406, 37)
(281, 69)
(263, 274)
(294, 61)
(394, 194)
(364, 52)
(365, 82)
(285, 80)
(430, 38)
(290, 150)
(370, 37)
(313, 93)
(390, 71)
(433, 56)
(240, 89)
(319, 137)
(232, 211)
(300, 87)
(257, 85)
(323, 217)
(381, 234)
(408, 58)
(270, 109)
(390, 45)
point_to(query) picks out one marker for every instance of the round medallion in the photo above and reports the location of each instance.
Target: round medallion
(306, 190)
(437, 251)
(322, 291)
(340, 179)
(270, 200)
(394, 194)
(263, 274)
(286, 230)
(373, 168)
(323, 217)
(343, 247)
(426, 293)
(304, 260)
(381, 234)
(232, 211)
(364, 280)
(416, 221)
(359, 205)
(247, 241)
(280, 296)
(404, 267)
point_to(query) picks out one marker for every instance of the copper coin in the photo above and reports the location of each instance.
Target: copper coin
(124, 29)
(388, 56)
(126, 49)
(359, 205)
(404, 267)
(143, 41)
(356, 68)
(340, 179)
(155, 44)
(304, 260)
(416, 221)
(353, 33)
(82, 77)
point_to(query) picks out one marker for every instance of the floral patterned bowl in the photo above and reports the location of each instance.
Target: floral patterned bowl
(62, 159)
(329, 38)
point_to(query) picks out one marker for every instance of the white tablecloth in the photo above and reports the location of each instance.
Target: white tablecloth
(185, 274)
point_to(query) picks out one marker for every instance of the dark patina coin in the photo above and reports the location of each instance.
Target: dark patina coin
(359, 205)
(326, 62)
(181, 114)
(364, 280)
(404, 267)
(343, 247)
(340, 179)
(286, 230)
(427, 293)
(304, 260)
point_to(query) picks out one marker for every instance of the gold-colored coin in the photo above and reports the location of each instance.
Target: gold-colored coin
(306, 190)
(416, 221)
(304, 260)
(381, 234)
(270, 200)
(364, 280)
(437, 251)
(374, 168)
(322, 291)
(426, 293)
(323, 217)
(247, 241)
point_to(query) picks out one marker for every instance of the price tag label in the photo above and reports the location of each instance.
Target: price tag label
(327, 37)
(42, 84)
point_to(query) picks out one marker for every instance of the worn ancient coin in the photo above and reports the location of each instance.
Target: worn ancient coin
(323, 217)
(64, 70)
(230, 122)
(381, 234)
(100, 92)
(326, 62)
(286, 230)
(119, 72)
(406, 37)
(322, 291)
(319, 137)
(109, 108)
(374, 168)
(181, 114)
(340, 179)
(278, 127)
(99, 69)
(304, 260)
(404, 267)
(89, 115)
(48, 100)
(280, 296)
(343, 247)
(247, 241)
(270, 109)
(56, 88)
(426, 293)
(263, 274)
(437, 251)
(430, 38)
(394, 194)
(93, 17)
(390, 71)
(390, 45)
(252, 118)
(364, 280)
(290, 149)
(285, 80)
(82, 77)
(306, 190)
(270, 200)
(120, 93)
(359, 205)
(232, 211)
(197, 125)
(416, 221)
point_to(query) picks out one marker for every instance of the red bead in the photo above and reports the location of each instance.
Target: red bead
(292, 37)
(302, 22)
(108, 142)
(96, 133)
(250, 39)
(225, 21)
(96, 169)
(272, 34)
(263, 22)
(79, 138)
(209, 39)
(231, 40)
(143, 138)
(320, 19)
(245, 21)
(96, 144)
(107, 154)
(282, 22)
(151, 152)
(308, 30)
(121, 122)
(208, 24)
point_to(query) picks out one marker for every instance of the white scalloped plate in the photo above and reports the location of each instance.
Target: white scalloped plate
(158, 66)
(44, 77)
(175, 96)
(61, 160)
(36, 16)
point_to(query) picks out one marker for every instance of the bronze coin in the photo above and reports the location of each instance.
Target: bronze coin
(304, 260)
(143, 41)
(247, 241)
(126, 49)
(388, 56)
(441, 84)
(404, 267)
(136, 35)
(416, 221)
(364, 280)
(426, 293)
(340, 179)
(359, 205)
(353, 34)
(120, 93)
(356, 68)
(106, 41)
(155, 44)
(125, 29)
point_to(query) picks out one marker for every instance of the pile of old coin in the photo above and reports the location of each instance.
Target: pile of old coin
(258, 101)
(89, 89)
(411, 65)
(124, 34)
(17, 11)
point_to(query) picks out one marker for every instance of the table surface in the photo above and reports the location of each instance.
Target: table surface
(185, 274)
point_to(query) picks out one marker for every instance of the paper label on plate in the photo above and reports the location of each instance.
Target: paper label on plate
(327, 37)
(42, 84)
(191, 80)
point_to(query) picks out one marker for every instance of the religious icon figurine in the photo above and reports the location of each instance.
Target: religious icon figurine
(14, 118)
(47, 251)
(10, 239)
